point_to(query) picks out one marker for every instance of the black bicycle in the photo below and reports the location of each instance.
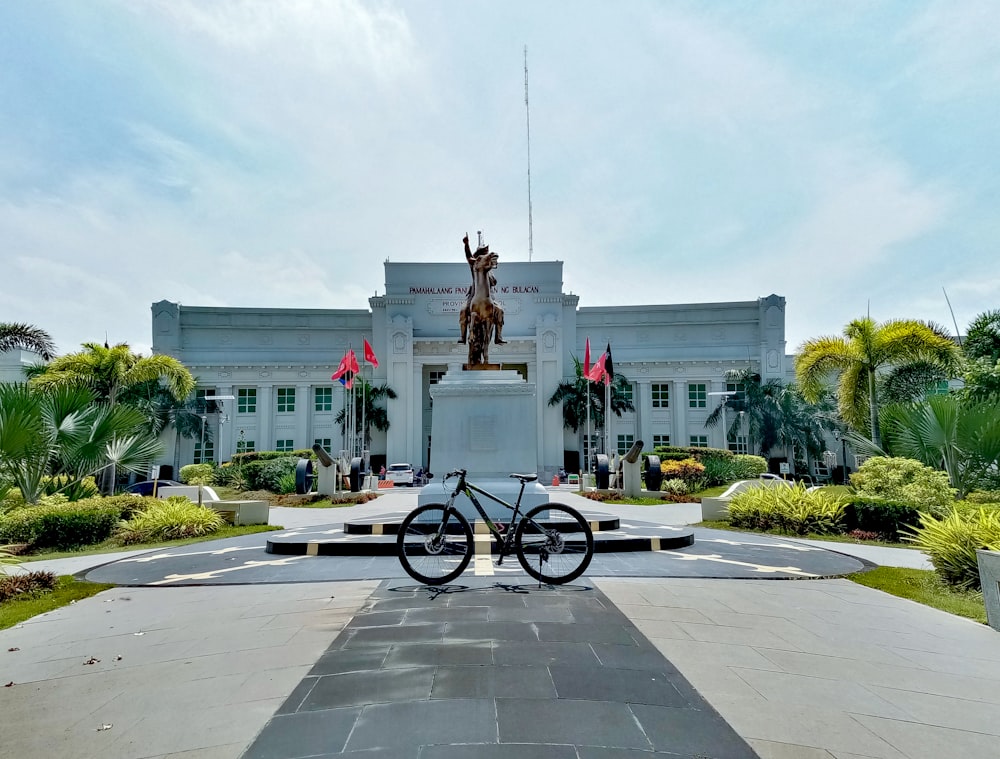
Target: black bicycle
(552, 541)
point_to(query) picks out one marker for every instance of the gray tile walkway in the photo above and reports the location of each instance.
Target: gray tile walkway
(588, 681)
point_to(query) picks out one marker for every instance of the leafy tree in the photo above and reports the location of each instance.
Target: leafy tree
(61, 430)
(26, 337)
(115, 373)
(983, 338)
(573, 396)
(367, 409)
(982, 381)
(867, 348)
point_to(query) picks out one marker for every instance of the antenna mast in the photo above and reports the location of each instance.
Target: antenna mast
(527, 119)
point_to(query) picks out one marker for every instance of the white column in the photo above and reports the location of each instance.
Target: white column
(265, 418)
(303, 416)
(225, 446)
(679, 401)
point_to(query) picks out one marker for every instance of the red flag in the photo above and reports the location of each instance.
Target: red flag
(370, 354)
(586, 359)
(597, 370)
(347, 369)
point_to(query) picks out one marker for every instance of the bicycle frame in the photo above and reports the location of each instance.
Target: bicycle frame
(469, 490)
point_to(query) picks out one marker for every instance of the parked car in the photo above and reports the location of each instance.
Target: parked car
(146, 487)
(400, 474)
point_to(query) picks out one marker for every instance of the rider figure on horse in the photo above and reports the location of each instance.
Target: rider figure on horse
(463, 319)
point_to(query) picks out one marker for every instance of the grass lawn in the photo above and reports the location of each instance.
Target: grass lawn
(66, 592)
(111, 546)
(724, 525)
(924, 586)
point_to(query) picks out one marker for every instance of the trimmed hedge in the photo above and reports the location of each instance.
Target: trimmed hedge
(67, 526)
(246, 458)
(891, 520)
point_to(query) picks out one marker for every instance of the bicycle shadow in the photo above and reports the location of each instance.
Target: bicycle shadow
(435, 591)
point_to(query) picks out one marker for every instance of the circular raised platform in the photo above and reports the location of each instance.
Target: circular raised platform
(376, 536)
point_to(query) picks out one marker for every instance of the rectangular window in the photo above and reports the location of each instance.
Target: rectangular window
(739, 444)
(941, 387)
(589, 449)
(661, 395)
(736, 391)
(699, 441)
(697, 395)
(246, 446)
(624, 443)
(201, 405)
(627, 392)
(325, 443)
(286, 400)
(324, 399)
(285, 446)
(246, 400)
(434, 376)
(208, 454)
(661, 441)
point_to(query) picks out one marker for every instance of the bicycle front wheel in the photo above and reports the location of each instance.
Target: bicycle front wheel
(554, 543)
(434, 544)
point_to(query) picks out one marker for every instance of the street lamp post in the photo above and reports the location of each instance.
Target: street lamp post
(838, 435)
(725, 432)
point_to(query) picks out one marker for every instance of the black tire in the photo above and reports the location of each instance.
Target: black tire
(555, 547)
(434, 544)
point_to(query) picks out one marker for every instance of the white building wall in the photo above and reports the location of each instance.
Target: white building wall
(414, 329)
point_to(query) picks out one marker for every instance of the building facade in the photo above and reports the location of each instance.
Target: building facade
(276, 363)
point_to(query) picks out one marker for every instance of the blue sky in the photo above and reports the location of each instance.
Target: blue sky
(842, 155)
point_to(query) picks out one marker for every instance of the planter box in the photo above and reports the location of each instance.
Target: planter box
(989, 576)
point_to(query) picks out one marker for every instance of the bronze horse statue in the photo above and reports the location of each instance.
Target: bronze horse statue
(483, 315)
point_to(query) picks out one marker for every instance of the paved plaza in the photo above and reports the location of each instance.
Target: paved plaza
(221, 650)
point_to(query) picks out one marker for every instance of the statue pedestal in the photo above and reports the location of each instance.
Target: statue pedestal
(484, 422)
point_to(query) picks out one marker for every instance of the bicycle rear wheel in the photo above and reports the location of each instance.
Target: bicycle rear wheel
(556, 547)
(434, 544)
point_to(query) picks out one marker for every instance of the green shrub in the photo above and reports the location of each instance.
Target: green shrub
(717, 471)
(951, 542)
(63, 526)
(672, 453)
(246, 458)
(675, 487)
(169, 519)
(983, 496)
(267, 474)
(286, 484)
(71, 487)
(197, 474)
(789, 509)
(748, 467)
(905, 481)
(231, 476)
(688, 470)
(889, 519)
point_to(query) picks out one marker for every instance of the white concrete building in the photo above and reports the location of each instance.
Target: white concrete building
(277, 362)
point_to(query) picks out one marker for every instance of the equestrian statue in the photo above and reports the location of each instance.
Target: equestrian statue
(481, 320)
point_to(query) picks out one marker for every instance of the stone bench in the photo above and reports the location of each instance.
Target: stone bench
(716, 508)
(989, 578)
(235, 512)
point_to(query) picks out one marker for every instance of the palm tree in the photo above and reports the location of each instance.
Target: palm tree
(756, 405)
(369, 409)
(116, 375)
(26, 337)
(61, 430)
(867, 348)
(573, 396)
(112, 373)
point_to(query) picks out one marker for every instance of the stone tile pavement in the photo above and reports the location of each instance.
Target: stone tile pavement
(826, 668)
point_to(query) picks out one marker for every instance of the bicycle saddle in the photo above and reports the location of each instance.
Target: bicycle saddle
(525, 477)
